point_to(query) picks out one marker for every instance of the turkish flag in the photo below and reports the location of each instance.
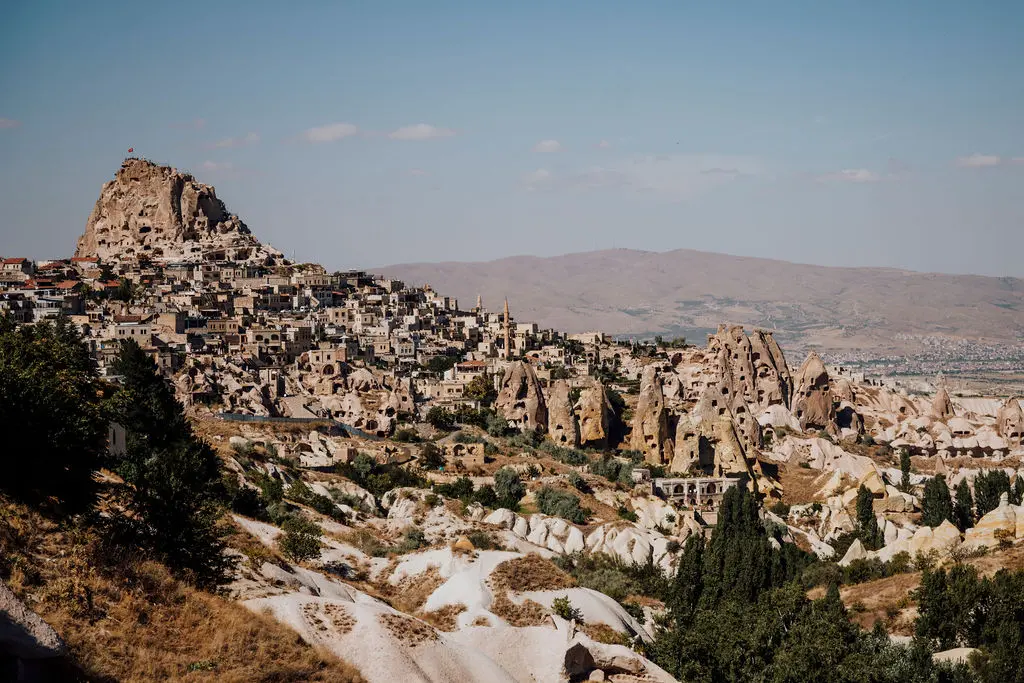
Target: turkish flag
(131, 149)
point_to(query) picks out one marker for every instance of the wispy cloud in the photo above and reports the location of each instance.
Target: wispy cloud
(604, 144)
(420, 131)
(673, 177)
(978, 161)
(548, 146)
(851, 175)
(9, 123)
(194, 124)
(330, 132)
(417, 172)
(243, 141)
(215, 166)
(537, 179)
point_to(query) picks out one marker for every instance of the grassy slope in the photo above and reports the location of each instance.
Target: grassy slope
(134, 622)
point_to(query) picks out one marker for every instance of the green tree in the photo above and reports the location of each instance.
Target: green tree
(904, 470)
(301, 540)
(509, 488)
(988, 487)
(431, 457)
(937, 505)
(441, 418)
(441, 364)
(963, 507)
(173, 488)
(54, 431)
(481, 388)
(1017, 494)
(867, 524)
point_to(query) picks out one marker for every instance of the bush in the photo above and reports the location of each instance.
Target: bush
(412, 539)
(482, 540)
(509, 488)
(563, 608)
(406, 435)
(627, 514)
(441, 418)
(301, 540)
(552, 501)
(780, 509)
(578, 482)
(431, 457)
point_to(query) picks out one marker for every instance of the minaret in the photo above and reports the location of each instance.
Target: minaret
(479, 303)
(508, 337)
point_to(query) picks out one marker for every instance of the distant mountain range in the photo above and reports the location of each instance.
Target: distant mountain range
(688, 293)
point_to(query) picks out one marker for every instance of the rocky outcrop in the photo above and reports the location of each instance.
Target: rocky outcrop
(28, 645)
(650, 419)
(941, 407)
(812, 403)
(1010, 421)
(521, 399)
(159, 213)
(561, 420)
(594, 411)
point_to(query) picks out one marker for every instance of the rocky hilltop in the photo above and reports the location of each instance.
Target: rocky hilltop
(157, 212)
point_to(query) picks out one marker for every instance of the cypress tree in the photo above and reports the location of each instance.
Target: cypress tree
(867, 524)
(963, 508)
(937, 504)
(904, 469)
(988, 487)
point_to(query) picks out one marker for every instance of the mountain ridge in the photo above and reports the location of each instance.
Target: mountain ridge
(626, 291)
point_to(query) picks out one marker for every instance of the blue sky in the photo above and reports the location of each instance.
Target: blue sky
(362, 134)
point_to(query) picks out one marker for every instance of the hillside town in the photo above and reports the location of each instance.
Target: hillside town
(450, 448)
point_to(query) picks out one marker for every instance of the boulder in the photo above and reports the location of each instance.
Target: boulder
(35, 648)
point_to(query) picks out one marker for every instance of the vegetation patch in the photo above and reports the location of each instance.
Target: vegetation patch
(444, 619)
(530, 573)
(410, 631)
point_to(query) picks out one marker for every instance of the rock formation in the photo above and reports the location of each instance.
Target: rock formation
(650, 420)
(594, 411)
(941, 407)
(812, 403)
(561, 421)
(521, 399)
(1010, 420)
(156, 212)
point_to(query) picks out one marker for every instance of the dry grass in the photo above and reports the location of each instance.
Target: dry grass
(444, 619)
(530, 573)
(256, 553)
(411, 592)
(329, 616)
(801, 485)
(410, 631)
(135, 622)
(603, 633)
(481, 621)
(529, 613)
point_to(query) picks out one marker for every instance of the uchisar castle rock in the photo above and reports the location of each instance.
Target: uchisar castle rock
(334, 384)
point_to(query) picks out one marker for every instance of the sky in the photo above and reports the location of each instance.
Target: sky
(358, 134)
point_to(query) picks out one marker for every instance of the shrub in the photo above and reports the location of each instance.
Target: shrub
(578, 482)
(301, 540)
(508, 488)
(406, 435)
(781, 509)
(627, 514)
(552, 501)
(412, 539)
(482, 540)
(563, 608)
